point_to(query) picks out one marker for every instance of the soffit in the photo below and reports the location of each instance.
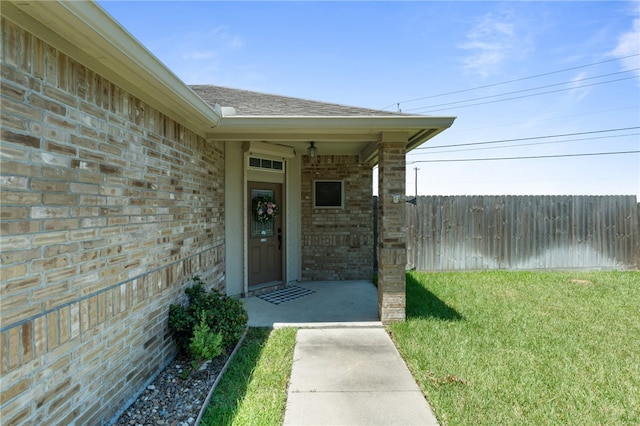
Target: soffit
(357, 135)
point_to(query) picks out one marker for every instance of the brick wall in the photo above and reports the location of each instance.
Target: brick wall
(337, 244)
(108, 209)
(392, 232)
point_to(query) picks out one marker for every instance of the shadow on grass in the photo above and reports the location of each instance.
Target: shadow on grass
(233, 387)
(421, 303)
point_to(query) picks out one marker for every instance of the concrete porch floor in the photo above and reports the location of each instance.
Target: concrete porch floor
(332, 304)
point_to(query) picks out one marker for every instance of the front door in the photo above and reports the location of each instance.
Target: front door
(265, 233)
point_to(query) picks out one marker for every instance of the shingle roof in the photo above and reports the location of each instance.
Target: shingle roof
(248, 103)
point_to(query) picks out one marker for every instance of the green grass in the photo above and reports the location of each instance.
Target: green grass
(253, 391)
(525, 348)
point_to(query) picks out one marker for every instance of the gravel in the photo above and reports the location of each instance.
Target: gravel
(171, 399)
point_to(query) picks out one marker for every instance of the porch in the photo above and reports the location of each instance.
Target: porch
(310, 304)
(321, 159)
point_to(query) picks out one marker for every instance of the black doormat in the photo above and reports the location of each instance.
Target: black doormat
(285, 294)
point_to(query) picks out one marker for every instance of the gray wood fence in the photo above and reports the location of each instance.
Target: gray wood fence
(447, 233)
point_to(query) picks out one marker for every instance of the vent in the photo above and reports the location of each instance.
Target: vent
(266, 164)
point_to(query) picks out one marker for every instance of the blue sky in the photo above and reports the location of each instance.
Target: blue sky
(508, 70)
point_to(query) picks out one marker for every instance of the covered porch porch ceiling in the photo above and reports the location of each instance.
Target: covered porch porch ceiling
(332, 135)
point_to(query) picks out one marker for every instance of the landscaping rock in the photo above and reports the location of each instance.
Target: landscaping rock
(171, 399)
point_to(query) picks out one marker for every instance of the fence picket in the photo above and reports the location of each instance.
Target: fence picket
(523, 232)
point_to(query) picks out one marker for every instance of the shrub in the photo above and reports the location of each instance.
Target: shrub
(222, 314)
(205, 343)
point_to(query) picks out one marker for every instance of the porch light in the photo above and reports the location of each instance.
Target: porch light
(312, 150)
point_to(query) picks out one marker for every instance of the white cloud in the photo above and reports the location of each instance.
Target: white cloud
(197, 56)
(491, 42)
(577, 93)
(629, 44)
(203, 46)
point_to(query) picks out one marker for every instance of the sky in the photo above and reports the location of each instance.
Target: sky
(557, 81)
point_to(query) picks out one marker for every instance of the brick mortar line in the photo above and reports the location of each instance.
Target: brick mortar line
(90, 295)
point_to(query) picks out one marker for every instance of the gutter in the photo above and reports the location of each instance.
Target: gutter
(392, 123)
(87, 33)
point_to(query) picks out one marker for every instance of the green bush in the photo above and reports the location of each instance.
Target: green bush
(205, 343)
(223, 315)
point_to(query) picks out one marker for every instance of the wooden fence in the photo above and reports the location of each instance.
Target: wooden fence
(447, 233)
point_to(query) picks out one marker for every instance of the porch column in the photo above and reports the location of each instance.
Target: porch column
(392, 245)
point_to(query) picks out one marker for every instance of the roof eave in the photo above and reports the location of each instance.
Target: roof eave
(87, 33)
(352, 129)
(336, 122)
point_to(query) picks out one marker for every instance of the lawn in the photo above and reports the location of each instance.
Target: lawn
(525, 348)
(253, 391)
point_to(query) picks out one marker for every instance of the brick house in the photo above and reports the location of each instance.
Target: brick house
(119, 183)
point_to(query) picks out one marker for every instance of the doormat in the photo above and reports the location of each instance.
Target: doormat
(285, 294)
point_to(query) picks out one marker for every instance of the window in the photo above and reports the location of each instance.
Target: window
(258, 228)
(328, 194)
(266, 164)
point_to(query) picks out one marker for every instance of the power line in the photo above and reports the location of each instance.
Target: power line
(551, 179)
(511, 81)
(591, 132)
(526, 96)
(555, 117)
(524, 158)
(529, 90)
(537, 143)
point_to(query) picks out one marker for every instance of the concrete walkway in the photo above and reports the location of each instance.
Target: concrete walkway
(346, 370)
(352, 376)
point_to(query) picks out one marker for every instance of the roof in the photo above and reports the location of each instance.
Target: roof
(248, 103)
(293, 122)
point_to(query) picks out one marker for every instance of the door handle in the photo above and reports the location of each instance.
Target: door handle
(279, 242)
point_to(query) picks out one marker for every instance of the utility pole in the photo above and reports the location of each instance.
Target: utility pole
(416, 181)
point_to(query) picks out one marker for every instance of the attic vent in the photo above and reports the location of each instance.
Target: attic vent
(266, 164)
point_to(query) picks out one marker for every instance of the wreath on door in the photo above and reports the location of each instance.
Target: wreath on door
(265, 208)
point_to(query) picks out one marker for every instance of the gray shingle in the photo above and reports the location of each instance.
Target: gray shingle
(248, 103)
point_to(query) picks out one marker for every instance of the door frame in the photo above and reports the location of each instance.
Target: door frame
(251, 175)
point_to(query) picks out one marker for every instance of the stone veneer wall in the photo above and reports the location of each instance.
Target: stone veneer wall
(337, 244)
(108, 209)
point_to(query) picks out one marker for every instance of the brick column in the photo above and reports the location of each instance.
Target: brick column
(392, 246)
